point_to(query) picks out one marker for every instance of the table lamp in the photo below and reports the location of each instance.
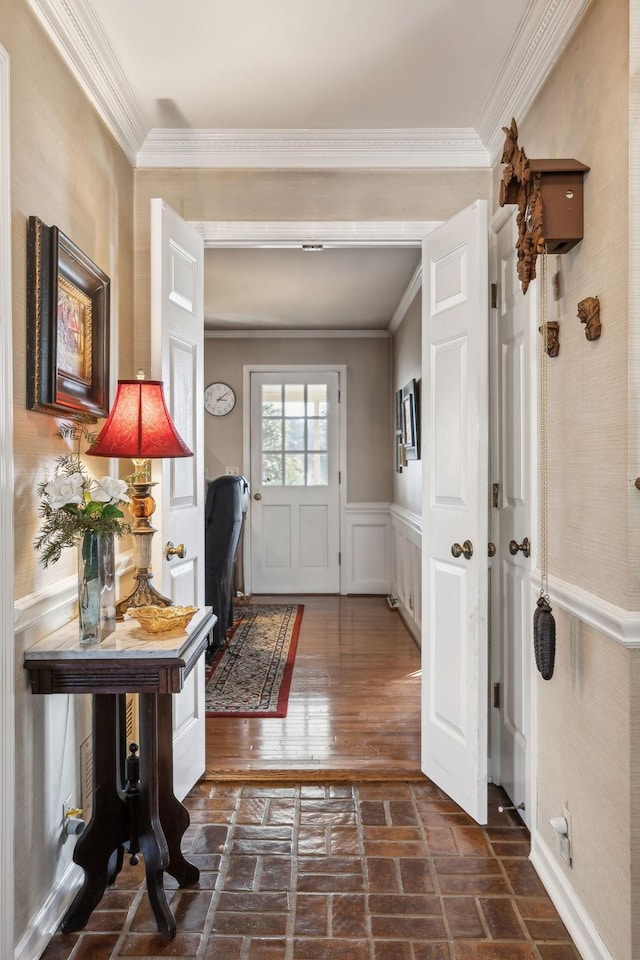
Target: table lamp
(140, 427)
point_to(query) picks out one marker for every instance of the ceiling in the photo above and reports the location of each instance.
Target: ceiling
(291, 83)
(298, 64)
(331, 289)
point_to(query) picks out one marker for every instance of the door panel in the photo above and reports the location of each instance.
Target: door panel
(177, 339)
(516, 345)
(294, 479)
(455, 478)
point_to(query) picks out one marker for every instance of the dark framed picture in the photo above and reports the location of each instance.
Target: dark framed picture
(411, 421)
(399, 410)
(67, 326)
(399, 453)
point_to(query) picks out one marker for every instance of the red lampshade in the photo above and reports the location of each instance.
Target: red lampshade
(139, 425)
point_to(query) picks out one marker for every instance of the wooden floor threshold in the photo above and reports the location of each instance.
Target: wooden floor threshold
(317, 775)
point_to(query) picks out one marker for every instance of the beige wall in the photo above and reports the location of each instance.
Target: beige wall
(368, 365)
(582, 112)
(407, 365)
(281, 195)
(68, 171)
(584, 743)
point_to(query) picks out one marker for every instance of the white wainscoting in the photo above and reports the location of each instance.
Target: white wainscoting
(35, 616)
(366, 549)
(406, 560)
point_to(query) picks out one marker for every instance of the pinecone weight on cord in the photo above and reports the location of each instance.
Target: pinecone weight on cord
(544, 638)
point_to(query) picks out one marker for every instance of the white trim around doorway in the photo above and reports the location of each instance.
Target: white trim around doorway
(7, 671)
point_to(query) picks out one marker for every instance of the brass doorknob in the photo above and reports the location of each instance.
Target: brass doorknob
(257, 496)
(466, 550)
(170, 551)
(491, 549)
(514, 547)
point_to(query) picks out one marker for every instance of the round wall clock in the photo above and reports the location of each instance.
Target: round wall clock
(219, 399)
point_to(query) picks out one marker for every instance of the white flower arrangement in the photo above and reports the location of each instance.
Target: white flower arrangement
(73, 502)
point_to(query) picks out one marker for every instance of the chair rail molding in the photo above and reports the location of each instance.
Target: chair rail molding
(613, 621)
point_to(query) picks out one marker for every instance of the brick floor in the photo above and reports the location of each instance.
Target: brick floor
(358, 871)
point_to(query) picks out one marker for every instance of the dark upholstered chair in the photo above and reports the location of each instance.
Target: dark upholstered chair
(223, 524)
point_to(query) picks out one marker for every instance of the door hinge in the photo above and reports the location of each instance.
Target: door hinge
(339, 476)
(339, 559)
(495, 495)
(496, 696)
(494, 295)
(339, 395)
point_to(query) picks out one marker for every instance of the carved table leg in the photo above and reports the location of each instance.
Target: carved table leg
(173, 814)
(97, 849)
(151, 838)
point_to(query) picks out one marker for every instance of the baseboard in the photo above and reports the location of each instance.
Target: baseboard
(571, 909)
(42, 927)
(407, 618)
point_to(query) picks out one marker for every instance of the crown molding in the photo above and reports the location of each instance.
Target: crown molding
(317, 149)
(408, 296)
(237, 333)
(540, 40)
(295, 233)
(78, 36)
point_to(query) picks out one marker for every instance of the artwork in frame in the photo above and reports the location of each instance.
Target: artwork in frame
(411, 421)
(399, 451)
(67, 326)
(399, 410)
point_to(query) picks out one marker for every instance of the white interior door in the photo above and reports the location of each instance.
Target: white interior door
(294, 480)
(516, 323)
(455, 508)
(177, 338)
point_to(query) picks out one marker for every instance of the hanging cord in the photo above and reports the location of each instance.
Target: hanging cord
(544, 626)
(543, 368)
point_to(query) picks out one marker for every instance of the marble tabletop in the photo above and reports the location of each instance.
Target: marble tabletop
(129, 640)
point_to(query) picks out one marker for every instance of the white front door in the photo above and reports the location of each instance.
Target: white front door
(295, 482)
(516, 328)
(455, 508)
(177, 344)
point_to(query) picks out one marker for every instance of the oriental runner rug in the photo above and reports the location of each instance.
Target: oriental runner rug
(252, 677)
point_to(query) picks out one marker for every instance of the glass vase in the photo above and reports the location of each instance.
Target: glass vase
(96, 588)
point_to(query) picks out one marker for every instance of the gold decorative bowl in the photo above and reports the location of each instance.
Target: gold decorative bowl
(162, 619)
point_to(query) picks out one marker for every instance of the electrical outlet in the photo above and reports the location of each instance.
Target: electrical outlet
(566, 841)
(66, 806)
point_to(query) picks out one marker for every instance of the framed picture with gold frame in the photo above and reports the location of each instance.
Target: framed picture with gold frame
(67, 326)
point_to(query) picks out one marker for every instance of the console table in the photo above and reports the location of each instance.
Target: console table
(134, 807)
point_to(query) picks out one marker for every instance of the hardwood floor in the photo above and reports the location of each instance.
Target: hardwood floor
(354, 705)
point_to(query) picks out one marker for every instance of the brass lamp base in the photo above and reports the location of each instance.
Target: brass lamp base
(144, 595)
(141, 508)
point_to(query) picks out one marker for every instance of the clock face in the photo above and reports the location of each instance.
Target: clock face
(219, 399)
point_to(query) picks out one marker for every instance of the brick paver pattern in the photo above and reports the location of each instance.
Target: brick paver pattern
(343, 871)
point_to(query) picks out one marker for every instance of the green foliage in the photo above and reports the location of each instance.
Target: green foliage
(64, 526)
